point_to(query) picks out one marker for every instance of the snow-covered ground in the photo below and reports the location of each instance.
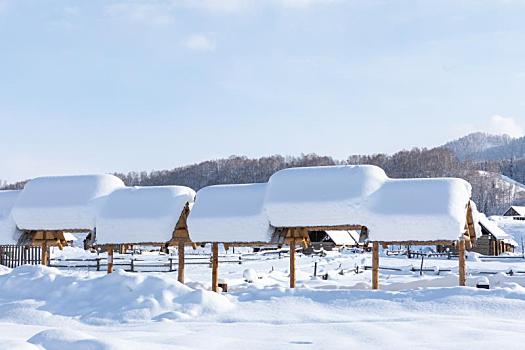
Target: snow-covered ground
(47, 308)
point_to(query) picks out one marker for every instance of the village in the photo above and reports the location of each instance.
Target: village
(335, 229)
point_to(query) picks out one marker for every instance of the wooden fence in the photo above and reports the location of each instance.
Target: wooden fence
(16, 255)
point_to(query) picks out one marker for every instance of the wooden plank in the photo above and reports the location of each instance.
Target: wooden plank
(375, 265)
(110, 258)
(461, 258)
(292, 264)
(180, 271)
(215, 267)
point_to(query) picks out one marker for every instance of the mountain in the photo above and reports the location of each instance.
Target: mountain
(481, 146)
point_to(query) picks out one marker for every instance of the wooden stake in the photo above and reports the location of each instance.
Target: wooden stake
(292, 263)
(45, 256)
(181, 262)
(110, 258)
(461, 252)
(215, 267)
(375, 265)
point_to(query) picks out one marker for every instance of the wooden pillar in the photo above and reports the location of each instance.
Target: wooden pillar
(375, 265)
(45, 255)
(180, 268)
(292, 263)
(110, 258)
(461, 258)
(215, 267)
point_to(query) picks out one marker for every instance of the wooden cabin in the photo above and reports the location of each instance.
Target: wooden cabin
(516, 212)
(493, 240)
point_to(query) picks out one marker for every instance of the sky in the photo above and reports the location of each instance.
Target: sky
(91, 86)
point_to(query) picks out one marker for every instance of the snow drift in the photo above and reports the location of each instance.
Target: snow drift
(142, 214)
(63, 202)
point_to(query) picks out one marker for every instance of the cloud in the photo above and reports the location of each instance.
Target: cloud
(505, 125)
(150, 13)
(199, 42)
(496, 125)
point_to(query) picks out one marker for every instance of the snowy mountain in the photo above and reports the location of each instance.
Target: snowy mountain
(478, 145)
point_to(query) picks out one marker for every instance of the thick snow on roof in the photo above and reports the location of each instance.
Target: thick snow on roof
(9, 234)
(230, 213)
(520, 210)
(495, 230)
(142, 214)
(321, 196)
(418, 210)
(392, 209)
(63, 202)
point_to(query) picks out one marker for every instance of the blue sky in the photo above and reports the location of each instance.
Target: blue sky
(102, 86)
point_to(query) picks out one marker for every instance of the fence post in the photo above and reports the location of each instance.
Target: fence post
(98, 263)
(215, 267)
(180, 271)
(292, 263)
(461, 258)
(132, 265)
(110, 258)
(375, 265)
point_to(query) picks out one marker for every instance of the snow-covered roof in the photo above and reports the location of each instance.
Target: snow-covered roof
(321, 196)
(63, 202)
(230, 213)
(9, 234)
(495, 230)
(347, 238)
(518, 209)
(142, 214)
(392, 209)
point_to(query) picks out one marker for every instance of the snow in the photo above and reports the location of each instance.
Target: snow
(514, 228)
(392, 209)
(9, 233)
(519, 210)
(230, 213)
(142, 214)
(46, 308)
(321, 196)
(347, 238)
(63, 202)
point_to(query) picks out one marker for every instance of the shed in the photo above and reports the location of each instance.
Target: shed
(395, 211)
(493, 239)
(232, 215)
(146, 215)
(518, 212)
(48, 207)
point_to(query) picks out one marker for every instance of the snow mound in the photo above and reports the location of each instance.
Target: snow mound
(58, 339)
(142, 214)
(230, 213)
(63, 202)
(9, 233)
(119, 297)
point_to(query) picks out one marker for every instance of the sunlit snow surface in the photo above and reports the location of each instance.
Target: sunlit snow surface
(47, 308)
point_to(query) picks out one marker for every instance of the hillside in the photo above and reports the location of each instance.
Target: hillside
(474, 146)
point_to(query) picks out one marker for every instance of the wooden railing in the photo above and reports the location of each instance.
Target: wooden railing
(16, 255)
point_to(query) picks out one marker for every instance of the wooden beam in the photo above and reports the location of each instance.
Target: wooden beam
(45, 255)
(110, 258)
(292, 263)
(181, 263)
(461, 252)
(375, 265)
(215, 267)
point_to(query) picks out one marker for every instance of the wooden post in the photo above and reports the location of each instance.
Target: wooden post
(110, 258)
(461, 258)
(215, 267)
(45, 256)
(180, 271)
(375, 265)
(292, 263)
